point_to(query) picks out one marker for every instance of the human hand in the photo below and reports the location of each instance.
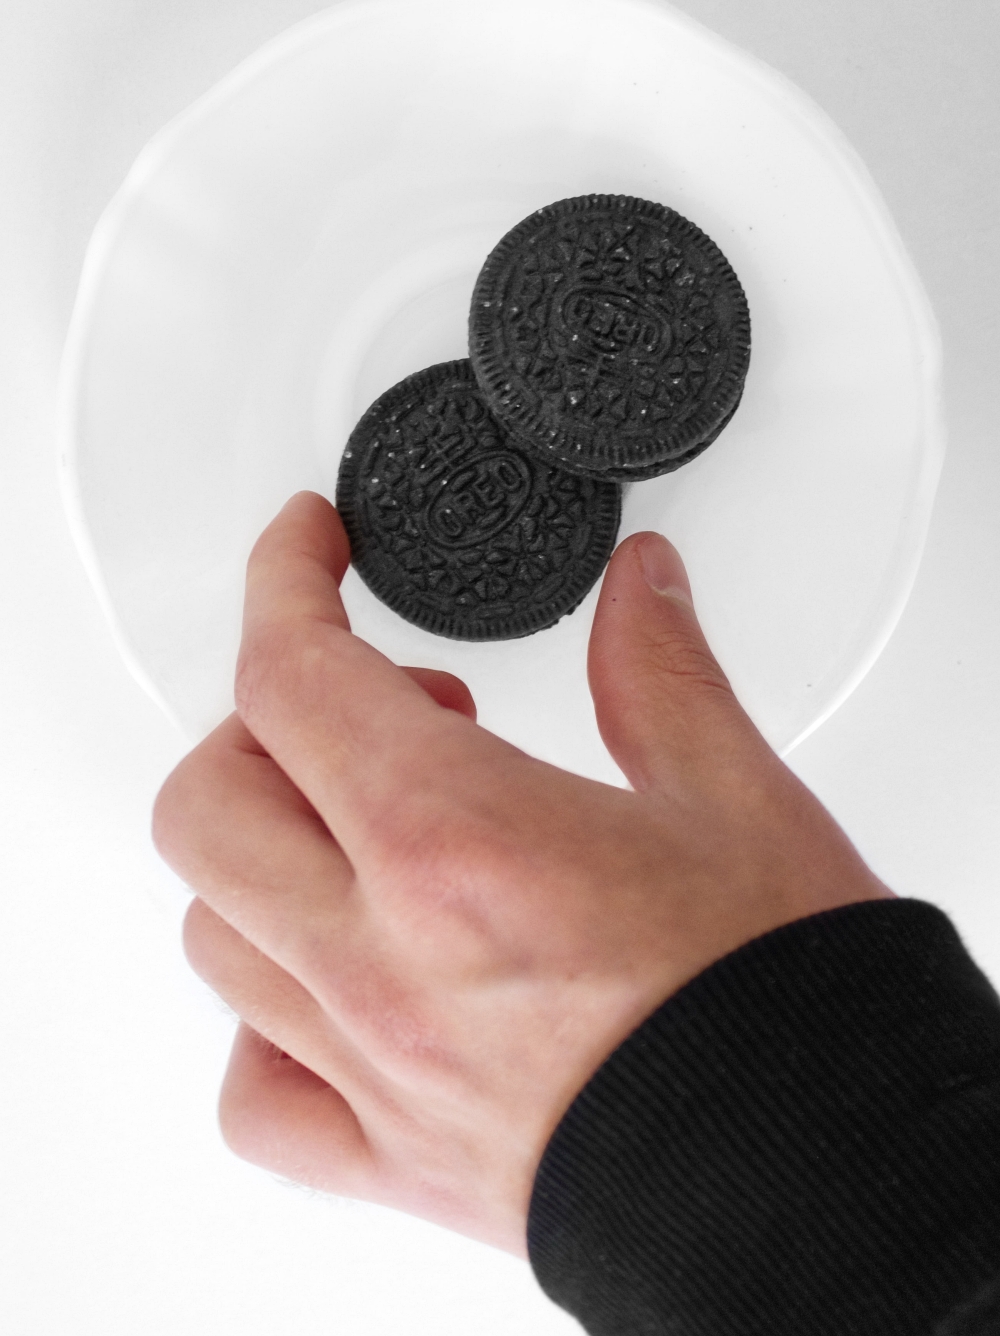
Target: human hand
(434, 940)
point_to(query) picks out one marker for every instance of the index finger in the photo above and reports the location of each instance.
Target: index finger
(351, 730)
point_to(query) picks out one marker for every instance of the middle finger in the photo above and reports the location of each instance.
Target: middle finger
(242, 836)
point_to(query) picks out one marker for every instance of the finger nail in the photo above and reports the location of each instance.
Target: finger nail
(663, 569)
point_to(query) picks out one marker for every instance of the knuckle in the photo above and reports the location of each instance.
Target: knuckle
(195, 931)
(276, 659)
(681, 657)
(419, 853)
(412, 842)
(439, 873)
(240, 1123)
(254, 666)
(186, 816)
(174, 810)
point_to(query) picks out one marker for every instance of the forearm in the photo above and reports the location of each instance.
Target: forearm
(806, 1138)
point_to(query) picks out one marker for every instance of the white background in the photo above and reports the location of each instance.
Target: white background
(121, 1211)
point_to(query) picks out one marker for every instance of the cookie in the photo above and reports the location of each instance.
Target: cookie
(611, 334)
(458, 528)
(642, 474)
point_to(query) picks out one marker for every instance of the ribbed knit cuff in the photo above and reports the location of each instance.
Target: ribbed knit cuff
(803, 1141)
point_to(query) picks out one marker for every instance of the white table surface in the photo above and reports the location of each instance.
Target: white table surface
(122, 1211)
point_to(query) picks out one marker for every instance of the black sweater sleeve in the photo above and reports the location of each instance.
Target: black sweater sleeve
(803, 1141)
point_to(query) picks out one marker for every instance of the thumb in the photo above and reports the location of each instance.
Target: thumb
(664, 706)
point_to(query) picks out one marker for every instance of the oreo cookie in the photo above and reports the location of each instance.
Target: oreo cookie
(611, 334)
(458, 528)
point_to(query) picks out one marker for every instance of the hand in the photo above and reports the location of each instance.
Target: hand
(434, 940)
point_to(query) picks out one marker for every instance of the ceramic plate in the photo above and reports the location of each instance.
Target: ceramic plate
(309, 232)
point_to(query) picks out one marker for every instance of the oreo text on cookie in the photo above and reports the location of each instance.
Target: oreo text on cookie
(455, 526)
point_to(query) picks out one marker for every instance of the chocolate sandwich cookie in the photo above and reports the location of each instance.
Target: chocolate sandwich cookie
(611, 334)
(641, 474)
(459, 529)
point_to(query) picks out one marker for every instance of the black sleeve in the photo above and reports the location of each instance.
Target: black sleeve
(803, 1141)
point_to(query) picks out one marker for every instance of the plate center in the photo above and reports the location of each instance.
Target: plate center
(429, 327)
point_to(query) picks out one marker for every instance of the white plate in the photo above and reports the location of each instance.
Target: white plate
(309, 232)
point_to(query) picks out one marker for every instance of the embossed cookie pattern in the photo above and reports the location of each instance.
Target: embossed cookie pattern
(455, 527)
(610, 333)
